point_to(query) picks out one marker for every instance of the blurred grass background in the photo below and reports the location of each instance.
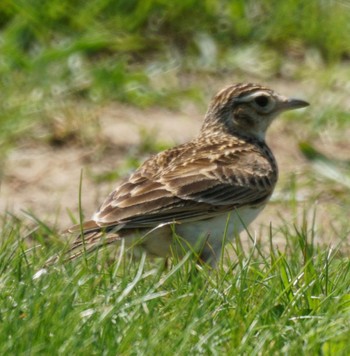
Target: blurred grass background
(62, 61)
(58, 50)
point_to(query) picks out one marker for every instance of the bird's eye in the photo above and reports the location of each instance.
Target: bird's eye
(262, 101)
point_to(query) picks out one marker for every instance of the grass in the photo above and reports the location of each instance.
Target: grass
(265, 301)
(61, 61)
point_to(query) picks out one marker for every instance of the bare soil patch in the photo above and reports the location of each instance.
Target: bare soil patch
(44, 180)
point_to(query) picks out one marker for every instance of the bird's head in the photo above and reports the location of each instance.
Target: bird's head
(247, 109)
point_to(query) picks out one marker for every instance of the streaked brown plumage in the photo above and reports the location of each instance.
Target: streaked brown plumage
(207, 190)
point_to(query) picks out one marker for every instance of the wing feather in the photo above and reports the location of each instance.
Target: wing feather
(190, 185)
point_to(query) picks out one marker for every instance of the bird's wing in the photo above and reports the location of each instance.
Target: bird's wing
(178, 185)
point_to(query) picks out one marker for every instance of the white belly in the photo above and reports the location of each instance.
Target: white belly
(217, 231)
(205, 237)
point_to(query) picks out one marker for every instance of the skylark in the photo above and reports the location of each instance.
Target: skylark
(205, 191)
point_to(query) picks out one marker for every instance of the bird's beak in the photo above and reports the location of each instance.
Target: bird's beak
(291, 104)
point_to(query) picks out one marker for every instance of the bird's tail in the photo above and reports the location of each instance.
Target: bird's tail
(89, 237)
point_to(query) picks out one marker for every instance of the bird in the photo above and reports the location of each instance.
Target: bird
(198, 195)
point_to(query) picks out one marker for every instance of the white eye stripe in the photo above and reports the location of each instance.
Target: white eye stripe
(252, 96)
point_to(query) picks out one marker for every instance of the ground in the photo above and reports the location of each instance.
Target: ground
(42, 176)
